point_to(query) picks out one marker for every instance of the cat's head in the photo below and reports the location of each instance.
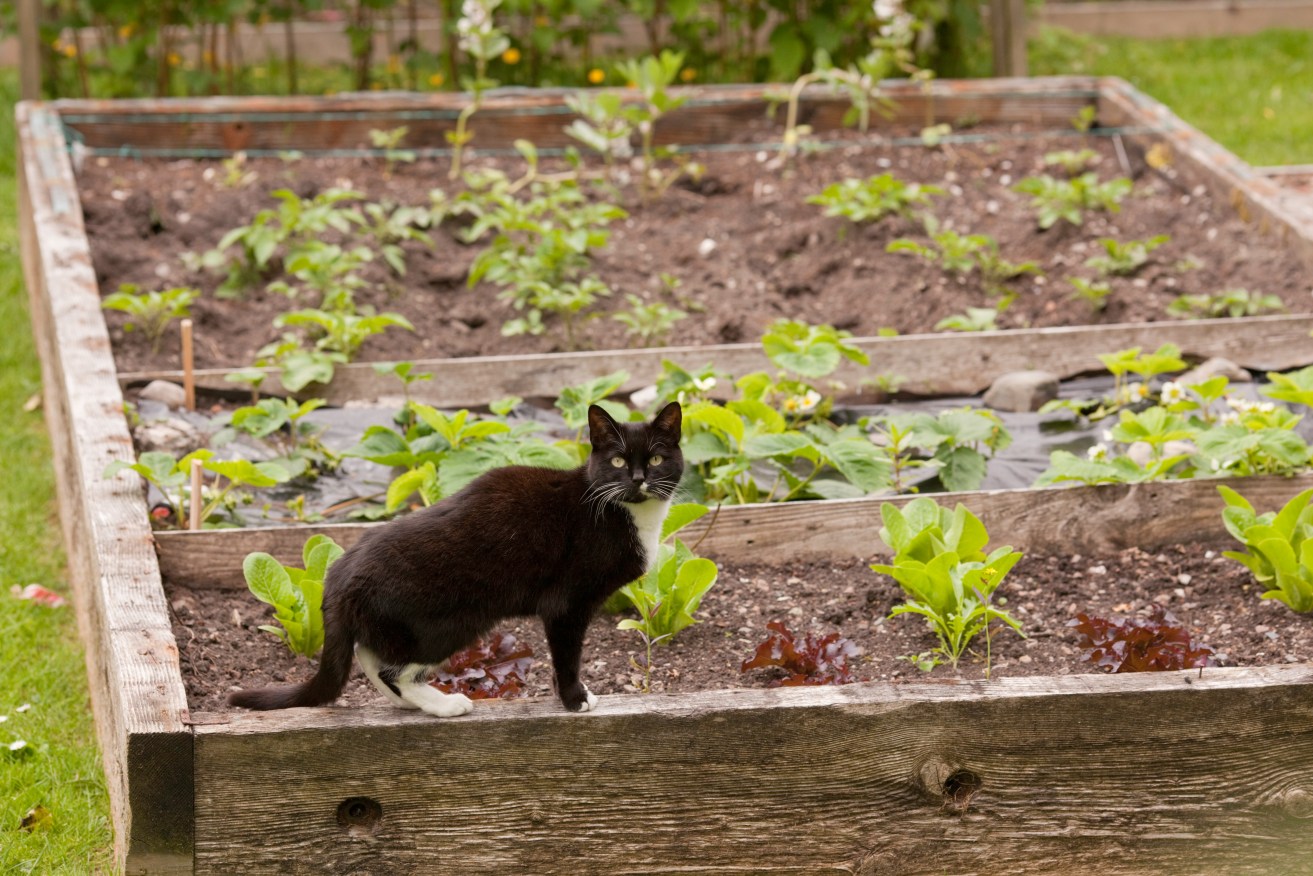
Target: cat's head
(634, 462)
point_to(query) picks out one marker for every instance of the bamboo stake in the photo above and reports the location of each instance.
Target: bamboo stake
(194, 523)
(188, 366)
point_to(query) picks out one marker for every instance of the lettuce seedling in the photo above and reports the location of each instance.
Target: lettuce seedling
(812, 660)
(940, 563)
(1280, 546)
(297, 595)
(1156, 644)
(873, 198)
(670, 592)
(1124, 259)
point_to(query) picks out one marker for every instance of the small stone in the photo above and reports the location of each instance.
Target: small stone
(164, 392)
(1185, 577)
(642, 398)
(1098, 570)
(706, 247)
(796, 611)
(1025, 658)
(793, 581)
(175, 436)
(236, 618)
(1213, 367)
(1179, 592)
(1272, 635)
(1022, 391)
(1261, 628)
(1163, 599)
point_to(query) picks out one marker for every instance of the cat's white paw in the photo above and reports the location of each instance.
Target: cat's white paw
(450, 706)
(590, 701)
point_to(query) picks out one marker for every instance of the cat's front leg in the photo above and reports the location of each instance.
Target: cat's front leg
(565, 638)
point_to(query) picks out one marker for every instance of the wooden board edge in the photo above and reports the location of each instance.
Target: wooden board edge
(1079, 519)
(1256, 197)
(129, 646)
(946, 363)
(730, 700)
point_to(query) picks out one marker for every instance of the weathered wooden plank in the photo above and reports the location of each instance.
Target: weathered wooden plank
(1180, 773)
(1256, 197)
(1074, 519)
(933, 364)
(140, 705)
(1163, 19)
(714, 114)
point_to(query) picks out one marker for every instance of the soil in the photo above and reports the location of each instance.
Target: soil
(774, 254)
(1213, 597)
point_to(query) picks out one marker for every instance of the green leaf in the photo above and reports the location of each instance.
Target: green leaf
(717, 417)
(783, 444)
(682, 515)
(383, 446)
(961, 468)
(268, 580)
(861, 462)
(407, 484)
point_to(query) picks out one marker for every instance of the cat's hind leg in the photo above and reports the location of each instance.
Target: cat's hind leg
(411, 682)
(370, 663)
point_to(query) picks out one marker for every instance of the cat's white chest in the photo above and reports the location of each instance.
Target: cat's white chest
(648, 518)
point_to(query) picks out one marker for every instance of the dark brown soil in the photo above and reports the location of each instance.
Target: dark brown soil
(1210, 595)
(775, 255)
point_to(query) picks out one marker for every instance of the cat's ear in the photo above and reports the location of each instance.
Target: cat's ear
(669, 421)
(601, 425)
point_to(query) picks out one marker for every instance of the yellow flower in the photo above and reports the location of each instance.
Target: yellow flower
(394, 65)
(126, 31)
(67, 50)
(511, 55)
(688, 74)
(207, 56)
(596, 76)
(542, 21)
(174, 59)
(436, 80)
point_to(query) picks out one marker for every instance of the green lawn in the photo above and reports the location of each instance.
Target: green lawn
(1252, 94)
(40, 657)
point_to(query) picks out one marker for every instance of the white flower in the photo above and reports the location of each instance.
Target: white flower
(1264, 407)
(1172, 392)
(887, 8)
(1106, 435)
(1215, 465)
(803, 404)
(1137, 391)
(704, 384)
(1230, 418)
(1098, 452)
(1239, 404)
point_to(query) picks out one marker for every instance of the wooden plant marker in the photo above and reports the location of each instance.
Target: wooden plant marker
(188, 368)
(194, 523)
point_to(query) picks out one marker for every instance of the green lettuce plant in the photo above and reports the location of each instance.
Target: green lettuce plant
(1069, 199)
(948, 579)
(1279, 546)
(297, 595)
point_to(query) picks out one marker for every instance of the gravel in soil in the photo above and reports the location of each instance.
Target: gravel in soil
(1213, 597)
(742, 243)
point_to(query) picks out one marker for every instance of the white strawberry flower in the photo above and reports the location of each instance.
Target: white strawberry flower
(1172, 392)
(1097, 453)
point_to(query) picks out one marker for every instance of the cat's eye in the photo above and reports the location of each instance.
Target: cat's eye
(618, 462)
(656, 459)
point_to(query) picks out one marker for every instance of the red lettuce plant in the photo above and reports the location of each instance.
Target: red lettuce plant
(490, 668)
(1155, 644)
(811, 660)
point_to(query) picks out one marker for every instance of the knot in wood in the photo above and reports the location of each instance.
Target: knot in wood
(1296, 802)
(359, 816)
(947, 781)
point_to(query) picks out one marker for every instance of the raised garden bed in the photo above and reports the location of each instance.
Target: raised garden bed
(715, 780)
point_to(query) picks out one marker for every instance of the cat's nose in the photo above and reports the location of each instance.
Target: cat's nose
(637, 477)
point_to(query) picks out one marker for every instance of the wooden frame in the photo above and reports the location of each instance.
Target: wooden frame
(870, 778)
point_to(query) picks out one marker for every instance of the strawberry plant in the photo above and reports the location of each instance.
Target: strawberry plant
(302, 451)
(1093, 292)
(873, 198)
(975, 319)
(1072, 161)
(172, 478)
(652, 77)
(1230, 302)
(1124, 259)
(389, 142)
(958, 442)
(1157, 643)
(940, 563)
(648, 323)
(492, 668)
(297, 595)
(1068, 199)
(152, 312)
(811, 660)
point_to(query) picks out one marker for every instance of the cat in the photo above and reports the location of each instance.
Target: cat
(516, 541)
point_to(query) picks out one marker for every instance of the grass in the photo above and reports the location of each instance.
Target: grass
(39, 649)
(1252, 94)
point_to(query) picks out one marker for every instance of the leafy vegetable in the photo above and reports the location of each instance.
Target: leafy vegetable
(813, 660)
(1280, 546)
(1156, 644)
(297, 595)
(491, 668)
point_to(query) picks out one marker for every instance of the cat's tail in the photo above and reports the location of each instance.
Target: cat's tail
(327, 684)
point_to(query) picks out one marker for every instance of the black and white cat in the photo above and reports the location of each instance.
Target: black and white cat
(517, 541)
